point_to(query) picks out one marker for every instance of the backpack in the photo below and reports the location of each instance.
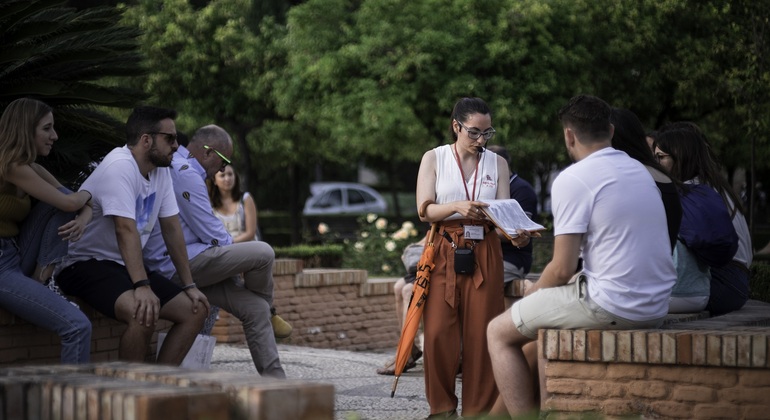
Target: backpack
(707, 228)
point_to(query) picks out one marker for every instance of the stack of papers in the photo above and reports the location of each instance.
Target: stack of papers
(508, 216)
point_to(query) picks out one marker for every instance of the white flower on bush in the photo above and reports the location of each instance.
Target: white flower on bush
(407, 226)
(359, 246)
(371, 217)
(323, 228)
(413, 232)
(364, 234)
(390, 246)
(400, 234)
(381, 223)
(385, 268)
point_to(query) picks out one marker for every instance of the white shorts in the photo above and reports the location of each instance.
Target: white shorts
(568, 307)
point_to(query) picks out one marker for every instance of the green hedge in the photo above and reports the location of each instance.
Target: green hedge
(314, 256)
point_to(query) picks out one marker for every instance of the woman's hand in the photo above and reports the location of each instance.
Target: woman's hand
(471, 209)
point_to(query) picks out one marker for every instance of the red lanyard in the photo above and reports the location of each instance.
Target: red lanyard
(462, 174)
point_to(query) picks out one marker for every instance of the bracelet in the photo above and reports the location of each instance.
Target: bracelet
(189, 286)
(141, 283)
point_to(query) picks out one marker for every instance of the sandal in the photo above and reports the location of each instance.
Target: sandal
(390, 367)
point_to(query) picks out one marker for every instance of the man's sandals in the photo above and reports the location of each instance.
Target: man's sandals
(390, 367)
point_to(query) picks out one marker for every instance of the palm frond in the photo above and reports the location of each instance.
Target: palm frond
(74, 61)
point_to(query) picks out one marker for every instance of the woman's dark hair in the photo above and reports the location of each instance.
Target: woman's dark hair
(630, 137)
(691, 158)
(464, 108)
(215, 196)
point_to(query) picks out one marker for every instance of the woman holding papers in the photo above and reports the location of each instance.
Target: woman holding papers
(467, 282)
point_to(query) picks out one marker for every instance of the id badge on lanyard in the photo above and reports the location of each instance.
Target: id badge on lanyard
(474, 232)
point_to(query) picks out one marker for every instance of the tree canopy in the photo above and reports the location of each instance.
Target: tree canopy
(340, 83)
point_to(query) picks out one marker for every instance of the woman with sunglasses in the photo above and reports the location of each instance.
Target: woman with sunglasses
(467, 282)
(26, 131)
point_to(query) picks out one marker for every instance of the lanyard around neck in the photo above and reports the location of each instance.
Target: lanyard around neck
(462, 174)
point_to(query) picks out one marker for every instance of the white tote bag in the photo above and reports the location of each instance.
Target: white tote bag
(199, 356)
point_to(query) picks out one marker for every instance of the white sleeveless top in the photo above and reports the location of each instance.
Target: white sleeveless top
(235, 223)
(449, 179)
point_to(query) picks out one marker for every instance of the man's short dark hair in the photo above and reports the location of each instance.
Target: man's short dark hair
(500, 151)
(145, 119)
(588, 116)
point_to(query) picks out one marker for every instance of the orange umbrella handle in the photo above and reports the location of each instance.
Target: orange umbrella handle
(432, 233)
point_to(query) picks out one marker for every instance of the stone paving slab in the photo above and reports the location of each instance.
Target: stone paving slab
(360, 393)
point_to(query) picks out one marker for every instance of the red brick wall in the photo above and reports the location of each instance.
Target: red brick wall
(328, 308)
(721, 371)
(655, 391)
(23, 343)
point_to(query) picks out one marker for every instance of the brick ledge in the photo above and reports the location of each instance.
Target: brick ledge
(738, 339)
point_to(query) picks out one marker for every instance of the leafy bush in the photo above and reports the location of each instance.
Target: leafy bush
(377, 245)
(314, 256)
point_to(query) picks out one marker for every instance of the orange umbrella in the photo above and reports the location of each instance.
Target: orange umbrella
(415, 308)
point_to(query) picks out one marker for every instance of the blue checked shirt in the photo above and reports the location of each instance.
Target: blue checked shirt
(202, 230)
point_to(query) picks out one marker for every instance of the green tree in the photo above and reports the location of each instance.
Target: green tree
(74, 61)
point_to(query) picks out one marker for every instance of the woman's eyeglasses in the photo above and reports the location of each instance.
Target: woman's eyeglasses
(474, 134)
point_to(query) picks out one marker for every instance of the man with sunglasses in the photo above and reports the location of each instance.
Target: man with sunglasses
(215, 260)
(132, 195)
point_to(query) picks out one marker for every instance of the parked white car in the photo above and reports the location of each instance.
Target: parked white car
(343, 198)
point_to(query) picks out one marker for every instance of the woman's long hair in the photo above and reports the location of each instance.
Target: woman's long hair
(691, 158)
(215, 195)
(17, 133)
(630, 137)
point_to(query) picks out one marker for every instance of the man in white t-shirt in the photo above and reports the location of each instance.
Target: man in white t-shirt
(622, 237)
(132, 192)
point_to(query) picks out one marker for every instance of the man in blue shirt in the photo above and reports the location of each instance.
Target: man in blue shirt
(215, 261)
(517, 261)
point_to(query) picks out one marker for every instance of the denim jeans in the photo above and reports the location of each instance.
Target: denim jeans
(38, 305)
(729, 289)
(39, 240)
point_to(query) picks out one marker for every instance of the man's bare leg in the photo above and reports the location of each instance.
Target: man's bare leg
(398, 288)
(530, 353)
(181, 336)
(136, 338)
(509, 365)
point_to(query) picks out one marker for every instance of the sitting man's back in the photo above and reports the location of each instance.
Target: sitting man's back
(608, 211)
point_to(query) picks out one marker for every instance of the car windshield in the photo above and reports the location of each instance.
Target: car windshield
(331, 198)
(359, 197)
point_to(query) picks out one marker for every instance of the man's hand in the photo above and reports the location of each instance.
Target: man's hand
(196, 296)
(147, 309)
(523, 237)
